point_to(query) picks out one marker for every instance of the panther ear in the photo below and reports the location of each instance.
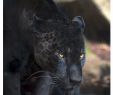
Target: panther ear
(37, 19)
(80, 21)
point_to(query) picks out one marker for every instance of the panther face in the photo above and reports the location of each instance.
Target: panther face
(60, 50)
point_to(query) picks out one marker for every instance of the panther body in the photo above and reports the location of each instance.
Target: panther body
(57, 46)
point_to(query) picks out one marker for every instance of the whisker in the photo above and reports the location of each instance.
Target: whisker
(59, 84)
(43, 77)
(57, 77)
(46, 77)
(35, 74)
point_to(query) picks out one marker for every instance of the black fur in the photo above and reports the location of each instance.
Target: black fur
(36, 32)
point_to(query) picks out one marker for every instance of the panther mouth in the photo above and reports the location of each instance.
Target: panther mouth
(73, 91)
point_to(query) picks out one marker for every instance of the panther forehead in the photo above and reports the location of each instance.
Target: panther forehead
(46, 39)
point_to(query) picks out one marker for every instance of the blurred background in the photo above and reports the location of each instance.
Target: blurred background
(96, 14)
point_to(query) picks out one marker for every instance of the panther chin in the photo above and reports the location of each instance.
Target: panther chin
(74, 91)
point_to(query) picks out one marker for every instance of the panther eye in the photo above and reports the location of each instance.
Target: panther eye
(81, 56)
(61, 55)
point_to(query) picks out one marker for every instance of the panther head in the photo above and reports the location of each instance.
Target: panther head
(59, 49)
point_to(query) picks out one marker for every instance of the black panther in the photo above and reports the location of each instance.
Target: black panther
(37, 28)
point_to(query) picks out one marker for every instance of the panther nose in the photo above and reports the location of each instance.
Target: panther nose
(75, 75)
(75, 82)
(69, 87)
